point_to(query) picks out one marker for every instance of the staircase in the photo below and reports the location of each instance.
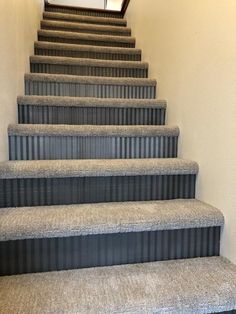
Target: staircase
(98, 213)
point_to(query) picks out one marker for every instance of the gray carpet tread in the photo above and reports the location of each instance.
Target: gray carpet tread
(63, 101)
(82, 26)
(103, 218)
(73, 47)
(95, 168)
(191, 286)
(92, 37)
(84, 18)
(91, 130)
(88, 62)
(60, 78)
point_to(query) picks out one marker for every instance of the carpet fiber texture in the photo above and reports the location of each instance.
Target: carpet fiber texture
(89, 79)
(85, 19)
(91, 130)
(197, 286)
(93, 167)
(74, 47)
(85, 219)
(88, 62)
(87, 27)
(63, 101)
(89, 37)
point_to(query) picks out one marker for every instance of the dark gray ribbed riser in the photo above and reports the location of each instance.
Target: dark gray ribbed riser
(88, 70)
(32, 114)
(81, 11)
(73, 89)
(81, 41)
(63, 27)
(102, 147)
(228, 312)
(88, 54)
(61, 191)
(50, 254)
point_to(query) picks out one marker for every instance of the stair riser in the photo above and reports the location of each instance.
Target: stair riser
(81, 41)
(38, 255)
(83, 12)
(85, 70)
(89, 31)
(62, 191)
(74, 147)
(88, 54)
(88, 90)
(95, 116)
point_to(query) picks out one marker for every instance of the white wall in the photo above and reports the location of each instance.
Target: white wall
(191, 47)
(83, 3)
(111, 4)
(19, 21)
(114, 4)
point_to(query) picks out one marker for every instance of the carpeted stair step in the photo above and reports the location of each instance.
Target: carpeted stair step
(85, 28)
(86, 51)
(86, 39)
(190, 286)
(106, 234)
(83, 11)
(88, 67)
(60, 182)
(40, 141)
(88, 86)
(84, 19)
(94, 111)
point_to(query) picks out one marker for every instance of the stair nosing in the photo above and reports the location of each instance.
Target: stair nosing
(60, 101)
(75, 17)
(92, 130)
(93, 80)
(105, 218)
(88, 62)
(86, 36)
(86, 26)
(75, 47)
(96, 168)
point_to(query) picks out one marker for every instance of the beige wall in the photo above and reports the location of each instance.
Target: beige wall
(19, 21)
(191, 46)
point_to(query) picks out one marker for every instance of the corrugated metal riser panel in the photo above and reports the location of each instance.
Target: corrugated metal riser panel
(85, 42)
(63, 191)
(83, 12)
(88, 70)
(90, 31)
(86, 90)
(37, 255)
(103, 147)
(95, 116)
(88, 54)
